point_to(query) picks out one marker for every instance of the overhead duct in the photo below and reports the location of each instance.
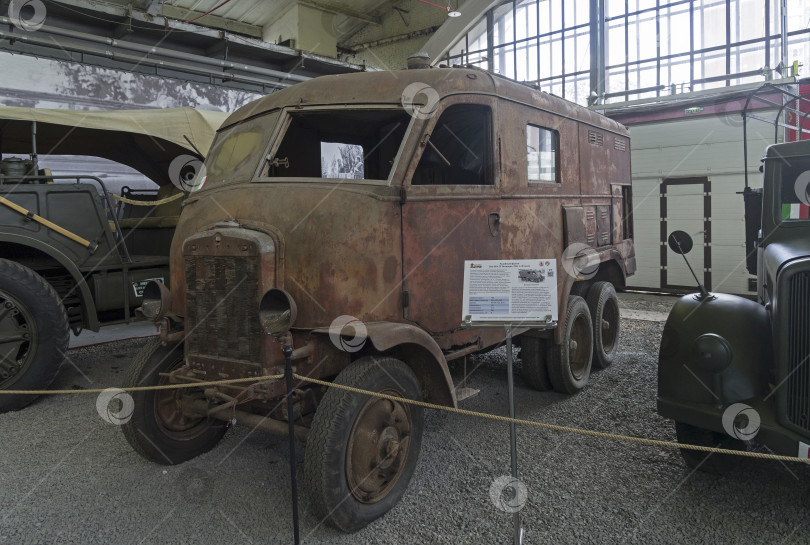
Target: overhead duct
(306, 28)
(149, 51)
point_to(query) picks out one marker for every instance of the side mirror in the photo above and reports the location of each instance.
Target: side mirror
(680, 242)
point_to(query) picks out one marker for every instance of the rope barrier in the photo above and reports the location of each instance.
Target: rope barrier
(147, 203)
(144, 388)
(426, 405)
(555, 427)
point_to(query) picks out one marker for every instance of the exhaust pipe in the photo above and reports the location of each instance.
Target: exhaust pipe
(201, 408)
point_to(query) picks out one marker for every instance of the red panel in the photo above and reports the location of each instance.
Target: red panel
(804, 106)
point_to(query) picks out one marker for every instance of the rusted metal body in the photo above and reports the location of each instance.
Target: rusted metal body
(388, 252)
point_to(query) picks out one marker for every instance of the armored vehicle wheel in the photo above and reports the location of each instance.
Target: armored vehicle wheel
(709, 462)
(533, 354)
(604, 307)
(158, 429)
(34, 333)
(570, 364)
(361, 451)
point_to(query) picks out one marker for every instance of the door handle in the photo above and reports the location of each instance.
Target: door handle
(494, 224)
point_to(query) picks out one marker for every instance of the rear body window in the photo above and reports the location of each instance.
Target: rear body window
(542, 146)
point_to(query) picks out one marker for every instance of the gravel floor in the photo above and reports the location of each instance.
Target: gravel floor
(67, 476)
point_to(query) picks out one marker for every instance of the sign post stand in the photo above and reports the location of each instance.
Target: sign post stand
(518, 537)
(518, 294)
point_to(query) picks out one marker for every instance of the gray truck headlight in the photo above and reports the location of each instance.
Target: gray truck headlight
(712, 352)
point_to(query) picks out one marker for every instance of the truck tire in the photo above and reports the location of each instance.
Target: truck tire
(604, 307)
(570, 364)
(534, 357)
(362, 452)
(34, 333)
(708, 462)
(158, 430)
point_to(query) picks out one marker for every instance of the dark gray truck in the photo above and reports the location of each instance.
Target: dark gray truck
(732, 371)
(71, 256)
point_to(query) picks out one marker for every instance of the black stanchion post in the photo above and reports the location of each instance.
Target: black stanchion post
(512, 434)
(287, 350)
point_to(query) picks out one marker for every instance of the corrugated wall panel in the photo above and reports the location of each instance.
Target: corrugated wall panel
(699, 146)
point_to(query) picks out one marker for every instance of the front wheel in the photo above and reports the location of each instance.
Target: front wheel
(159, 430)
(362, 451)
(708, 462)
(34, 333)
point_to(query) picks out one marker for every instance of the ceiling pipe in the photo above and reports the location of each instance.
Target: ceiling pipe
(78, 48)
(162, 52)
(392, 40)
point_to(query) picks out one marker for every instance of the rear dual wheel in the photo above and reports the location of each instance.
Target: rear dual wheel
(590, 338)
(604, 308)
(534, 357)
(570, 365)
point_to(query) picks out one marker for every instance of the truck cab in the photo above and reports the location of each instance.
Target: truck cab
(734, 372)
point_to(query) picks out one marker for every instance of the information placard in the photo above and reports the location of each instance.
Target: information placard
(510, 291)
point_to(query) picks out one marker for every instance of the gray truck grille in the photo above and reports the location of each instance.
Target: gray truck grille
(222, 307)
(798, 349)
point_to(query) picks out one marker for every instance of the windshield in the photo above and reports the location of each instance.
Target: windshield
(794, 188)
(236, 150)
(359, 144)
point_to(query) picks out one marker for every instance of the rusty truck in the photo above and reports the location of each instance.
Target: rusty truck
(337, 215)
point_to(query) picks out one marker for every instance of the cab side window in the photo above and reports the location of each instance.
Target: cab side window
(459, 150)
(542, 146)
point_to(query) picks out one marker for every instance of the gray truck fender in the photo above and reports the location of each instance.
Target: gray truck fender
(417, 349)
(740, 329)
(88, 305)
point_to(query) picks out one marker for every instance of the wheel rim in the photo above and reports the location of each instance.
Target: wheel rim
(578, 347)
(610, 318)
(18, 339)
(169, 412)
(378, 448)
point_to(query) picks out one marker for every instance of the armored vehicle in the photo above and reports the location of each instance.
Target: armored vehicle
(72, 258)
(531, 275)
(342, 210)
(733, 371)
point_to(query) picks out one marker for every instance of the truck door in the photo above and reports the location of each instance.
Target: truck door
(451, 211)
(686, 206)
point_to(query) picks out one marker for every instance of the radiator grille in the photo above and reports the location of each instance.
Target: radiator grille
(798, 349)
(222, 307)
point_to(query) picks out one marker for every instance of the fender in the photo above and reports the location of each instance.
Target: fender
(624, 258)
(89, 317)
(688, 377)
(418, 350)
